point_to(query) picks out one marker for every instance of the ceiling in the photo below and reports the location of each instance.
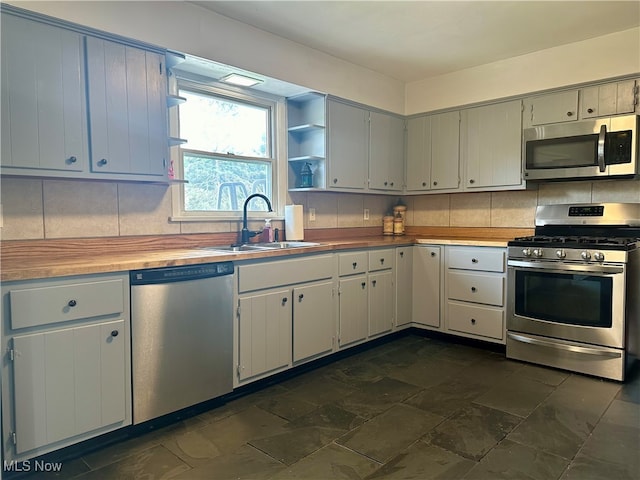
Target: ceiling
(413, 40)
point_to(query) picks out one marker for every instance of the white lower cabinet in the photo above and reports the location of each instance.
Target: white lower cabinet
(427, 274)
(285, 315)
(366, 289)
(313, 320)
(475, 291)
(354, 309)
(403, 285)
(68, 376)
(264, 326)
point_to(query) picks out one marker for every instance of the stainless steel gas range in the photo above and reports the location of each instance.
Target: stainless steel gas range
(574, 289)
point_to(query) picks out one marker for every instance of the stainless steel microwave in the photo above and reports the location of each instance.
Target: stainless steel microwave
(598, 148)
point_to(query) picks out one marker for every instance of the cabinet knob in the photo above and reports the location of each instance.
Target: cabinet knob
(300, 297)
(435, 183)
(284, 300)
(374, 282)
(471, 180)
(474, 260)
(363, 284)
(114, 333)
(474, 289)
(433, 254)
(102, 162)
(391, 184)
(401, 254)
(385, 184)
(335, 180)
(72, 303)
(569, 114)
(424, 184)
(473, 321)
(382, 261)
(72, 160)
(355, 264)
(590, 110)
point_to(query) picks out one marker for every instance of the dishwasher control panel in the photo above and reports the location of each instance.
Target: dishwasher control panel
(177, 274)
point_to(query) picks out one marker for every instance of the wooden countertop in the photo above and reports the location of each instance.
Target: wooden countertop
(24, 260)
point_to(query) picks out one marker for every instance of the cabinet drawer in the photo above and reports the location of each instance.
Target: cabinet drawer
(381, 259)
(488, 260)
(476, 320)
(284, 272)
(352, 263)
(40, 306)
(477, 288)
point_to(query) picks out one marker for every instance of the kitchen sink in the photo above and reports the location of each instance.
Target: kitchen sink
(279, 245)
(265, 246)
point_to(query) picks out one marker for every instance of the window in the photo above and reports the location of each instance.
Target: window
(229, 153)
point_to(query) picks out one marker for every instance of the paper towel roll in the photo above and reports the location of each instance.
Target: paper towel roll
(293, 222)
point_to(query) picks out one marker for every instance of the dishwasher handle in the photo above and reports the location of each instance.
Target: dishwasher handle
(151, 276)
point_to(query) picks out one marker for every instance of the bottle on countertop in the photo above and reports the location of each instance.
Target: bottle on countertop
(267, 231)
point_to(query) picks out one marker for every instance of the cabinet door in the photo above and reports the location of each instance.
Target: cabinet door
(264, 333)
(404, 282)
(127, 109)
(426, 285)
(313, 320)
(445, 150)
(608, 99)
(491, 143)
(381, 306)
(348, 142)
(386, 152)
(554, 108)
(418, 153)
(353, 308)
(43, 98)
(68, 382)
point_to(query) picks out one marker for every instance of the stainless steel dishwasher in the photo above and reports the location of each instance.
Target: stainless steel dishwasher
(181, 337)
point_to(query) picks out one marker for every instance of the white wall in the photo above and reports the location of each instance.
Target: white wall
(191, 29)
(595, 59)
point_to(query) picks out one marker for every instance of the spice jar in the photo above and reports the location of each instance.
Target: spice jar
(387, 225)
(400, 210)
(398, 225)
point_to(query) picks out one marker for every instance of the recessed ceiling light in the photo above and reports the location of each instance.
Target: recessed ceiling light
(241, 80)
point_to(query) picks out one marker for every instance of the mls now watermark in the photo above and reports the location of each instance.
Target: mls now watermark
(31, 466)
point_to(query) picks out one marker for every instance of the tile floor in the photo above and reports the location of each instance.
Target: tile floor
(413, 408)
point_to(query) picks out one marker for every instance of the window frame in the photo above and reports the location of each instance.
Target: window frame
(276, 140)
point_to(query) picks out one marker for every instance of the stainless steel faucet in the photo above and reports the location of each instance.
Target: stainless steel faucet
(245, 235)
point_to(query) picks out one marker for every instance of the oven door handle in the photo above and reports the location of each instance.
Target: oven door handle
(554, 267)
(560, 346)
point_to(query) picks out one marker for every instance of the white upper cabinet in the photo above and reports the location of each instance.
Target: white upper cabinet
(552, 108)
(127, 109)
(43, 98)
(386, 152)
(433, 152)
(608, 99)
(491, 146)
(65, 94)
(348, 145)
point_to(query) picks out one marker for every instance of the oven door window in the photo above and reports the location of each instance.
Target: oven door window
(571, 298)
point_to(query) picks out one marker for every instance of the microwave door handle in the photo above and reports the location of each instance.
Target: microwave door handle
(601, 141)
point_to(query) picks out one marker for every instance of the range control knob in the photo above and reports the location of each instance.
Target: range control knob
(585, 255)
(561, 253)
(526, 252)
(537, 252)
(598, 256)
